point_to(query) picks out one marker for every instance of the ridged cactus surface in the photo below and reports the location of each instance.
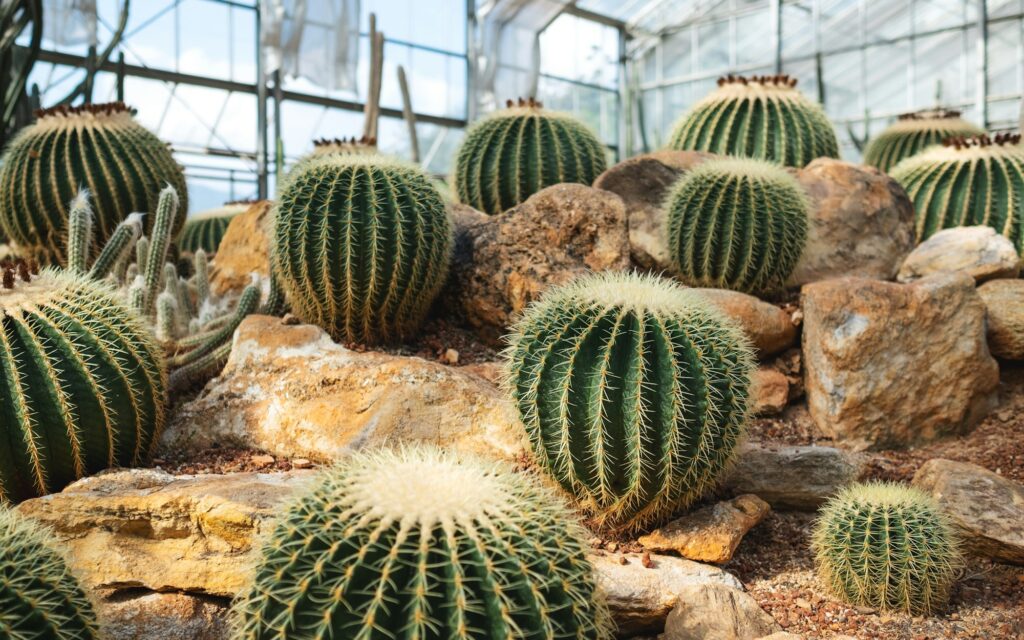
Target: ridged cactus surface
(763, 117)
(967, 182)
(633, 392)
(82, 382)
(736, 223)
(912, 133)
(886, 546)
(41, 599)
(205, 230)
(361, 246)
(417, 545)
(514, 153)
(99, 147)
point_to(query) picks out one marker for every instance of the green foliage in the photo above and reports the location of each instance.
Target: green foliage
(98, 147)
(41, 598)
(633, 391)
(976, 181)
(886, 546)
(417, 544)
(513, 154)
(736, 223)
(205, 230)
(763, 117)
(912, 133)
(361, 246)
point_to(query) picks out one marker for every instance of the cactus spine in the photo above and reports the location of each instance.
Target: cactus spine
(99, 147)
(416, 544)
(736, 223)
(763, 117)
(633, 392)
(887, 546)
(205, 230)
(511, 155)
(967, 182)
(361, 246)
(40, 598)
(912, 133)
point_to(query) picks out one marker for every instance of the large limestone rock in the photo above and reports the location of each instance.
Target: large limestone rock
(769, 328)
(978, 251)
(502, 263)
(711, 533)
(716, 612)
(244, 250)
(891, 365)
(862, 223)
(643, 182)
(133, 615)
(987, 508)
(1004, 300)
(291, 391)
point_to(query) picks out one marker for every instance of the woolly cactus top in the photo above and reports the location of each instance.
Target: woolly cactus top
(344, 145)
(24, 287)
(930, 119)
(108, 114)
(227, 210)
(968, 148)
(887, 494)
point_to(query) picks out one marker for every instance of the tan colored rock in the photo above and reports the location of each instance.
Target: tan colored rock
(783, 635)
(502, 263)
(643, 183)
(892, 365)
(770, 392)
(244, 250)
(149, 529)
(130, 615)
(712, 533)
(769, 328)
(862, 223)
(792, 477)
(1004, 300)
(717, 612)
(289, 390)
(978, 251)
(987, 508)
(640, 598)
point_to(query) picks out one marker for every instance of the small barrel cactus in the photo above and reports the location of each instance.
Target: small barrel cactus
(914, 132)
(763, 117)
(40, 598)
(206, 229)
(416, 544)
(736, 223)
(633, 391)
(511, 155)
(967, 182)
(99, 147)
(887, 546)
(343, 146)
(82, 381)
(361, 246)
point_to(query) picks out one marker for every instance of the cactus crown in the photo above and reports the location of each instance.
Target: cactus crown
(912, 133)
(362, 144)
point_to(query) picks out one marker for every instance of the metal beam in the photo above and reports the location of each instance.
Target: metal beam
(983, 63)
(574, 10)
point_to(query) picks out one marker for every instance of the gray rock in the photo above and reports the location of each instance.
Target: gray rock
(1004, 300)
(717, 612)
(978, 251)
(790, 477)
(145, 615)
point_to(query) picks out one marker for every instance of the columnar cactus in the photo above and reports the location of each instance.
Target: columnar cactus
(763, 117)
(511, 155)
(361, 246)
(417, 544)
(736, 223)
(82, 382)
(633, 391)
(886, 546)
(40, 598)
(205, 230)
(912, 133)
(966, 182)
(100, 147)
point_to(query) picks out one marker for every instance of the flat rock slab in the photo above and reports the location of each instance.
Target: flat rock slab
(978, 251)
(717, 612)
(711, 533)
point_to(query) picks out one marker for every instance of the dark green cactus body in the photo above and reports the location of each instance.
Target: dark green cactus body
(205, 230)
(511, 155)
(765, 117)
(736, 223)
(40, 598)
(98, 147)
(361, 246)
(912, 133)
(970, 182)
(886, 546)
(421, 546)
(633, 392)
(82, 383)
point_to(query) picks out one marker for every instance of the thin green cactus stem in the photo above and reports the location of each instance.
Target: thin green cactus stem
(202, 268)
(166, 312)
(166, 214)
(79, 233)
(118, 247)
(247, 304)
(201, 369)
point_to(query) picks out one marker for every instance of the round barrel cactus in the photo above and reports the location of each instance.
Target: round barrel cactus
(40, 598)
(206, 229)
(886, 546)
(912, 133)
(967, 182)
(760, 117)
(511, 155)
(416, 544)
(633, 391)
(361, 246)
(98, 147)
(736, 223)
(82, 381)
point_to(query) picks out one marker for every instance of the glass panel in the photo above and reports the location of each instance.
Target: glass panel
(841, 74)
(886, 19)
(942, 70)
(840, 24)
(754, 39)
(1004, 44)
(582, 50)
(887, 78)
(797, 28)
(713, 46)
(677, 54)
(937, 14)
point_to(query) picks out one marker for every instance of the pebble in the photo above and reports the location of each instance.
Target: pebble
(302, 463)
(262, 461)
